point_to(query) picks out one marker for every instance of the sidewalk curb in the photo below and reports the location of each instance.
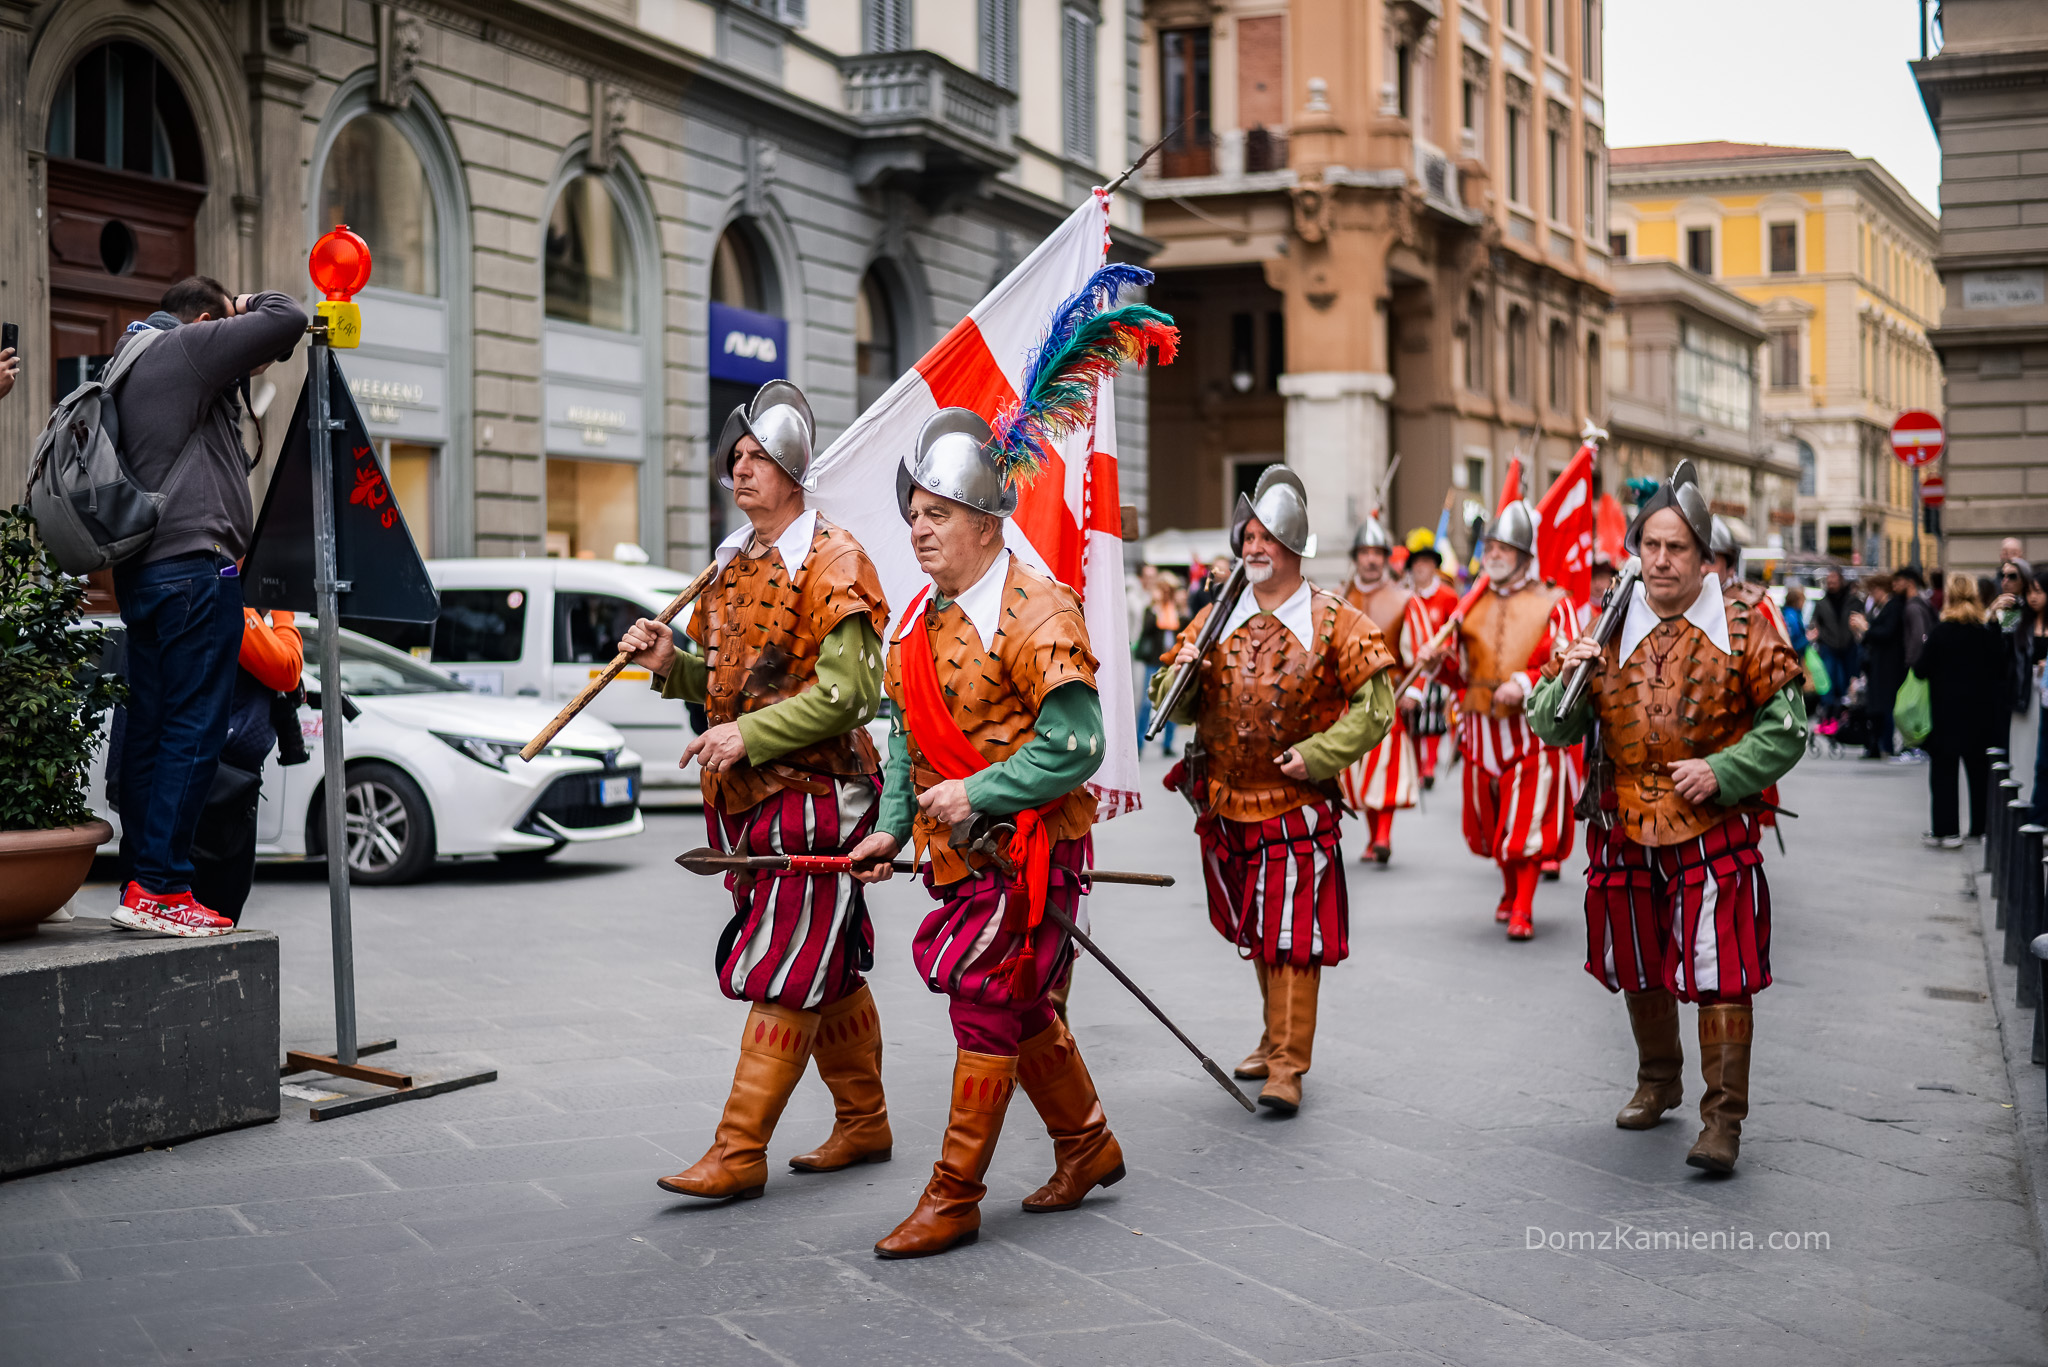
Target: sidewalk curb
(2016, 1035)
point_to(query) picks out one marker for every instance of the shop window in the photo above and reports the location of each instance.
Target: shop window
(588, 626)
(874, 342)
(480, 626)
(409, 468)
(590, 274)
(373, 181)
(593, 507)
(121, 107)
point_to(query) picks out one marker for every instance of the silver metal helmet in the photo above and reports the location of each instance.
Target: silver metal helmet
(780, 419)
(1514, 525)
(1371, 534)
(1680, 493)
(952, 460)
(1721, 541)
(1280, 503)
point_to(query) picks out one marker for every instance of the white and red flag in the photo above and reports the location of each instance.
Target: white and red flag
(1068, 521)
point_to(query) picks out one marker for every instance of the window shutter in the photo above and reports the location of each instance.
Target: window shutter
(1077, 83)
(792, 12)
(885, 25)
(999, 42)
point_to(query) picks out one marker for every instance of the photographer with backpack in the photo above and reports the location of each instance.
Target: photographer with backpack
(180, 436)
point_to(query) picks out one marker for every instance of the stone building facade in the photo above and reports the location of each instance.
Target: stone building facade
(1384, 225)
(595, 225)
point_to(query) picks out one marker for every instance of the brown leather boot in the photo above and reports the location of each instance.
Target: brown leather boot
(1254, 1064)
(849, 1059)
(949, 1212)
(774, 1048)
(1085, 1153)
(1726, 1029)
(1660, 1059)
(1291, 1017)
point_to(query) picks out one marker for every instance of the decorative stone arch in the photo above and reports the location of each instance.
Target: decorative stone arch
(762, 218)
(434, 144)
(643, 235)
(896, 266)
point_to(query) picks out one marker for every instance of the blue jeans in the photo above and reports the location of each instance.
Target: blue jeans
(1145, 712)
(1841, 668)
(184, 634)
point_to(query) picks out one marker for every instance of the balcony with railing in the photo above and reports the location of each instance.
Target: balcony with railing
(924, 117)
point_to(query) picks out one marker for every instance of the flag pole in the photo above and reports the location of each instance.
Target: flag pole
(1143, 157)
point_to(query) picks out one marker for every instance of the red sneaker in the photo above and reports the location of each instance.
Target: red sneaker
(168, 913)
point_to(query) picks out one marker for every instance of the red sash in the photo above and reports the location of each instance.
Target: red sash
(946, 747)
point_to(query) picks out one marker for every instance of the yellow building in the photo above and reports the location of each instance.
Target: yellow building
(1838, 259)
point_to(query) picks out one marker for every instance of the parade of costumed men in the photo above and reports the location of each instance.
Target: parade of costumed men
(791, 672)
(1518, 789)
(998, 727)
(1384, 781)
(1292, 691)
(1699, 709)
(1430, 718)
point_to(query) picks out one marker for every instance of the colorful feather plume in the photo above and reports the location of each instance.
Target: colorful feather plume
(1085, 344)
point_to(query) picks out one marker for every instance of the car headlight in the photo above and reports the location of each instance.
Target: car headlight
(491, 752)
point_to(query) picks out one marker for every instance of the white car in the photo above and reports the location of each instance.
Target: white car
(434, 770)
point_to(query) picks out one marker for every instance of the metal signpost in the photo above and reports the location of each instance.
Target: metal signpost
(1917, 439)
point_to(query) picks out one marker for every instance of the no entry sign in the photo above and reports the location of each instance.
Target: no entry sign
(1933, 492)
(1917, 438)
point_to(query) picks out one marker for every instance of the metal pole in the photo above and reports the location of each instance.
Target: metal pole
(1919, 516)
(327, 597)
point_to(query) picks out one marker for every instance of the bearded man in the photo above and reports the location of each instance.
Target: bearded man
(1384, 780)
(791, 674)
(1293, 692)
(1700, 710)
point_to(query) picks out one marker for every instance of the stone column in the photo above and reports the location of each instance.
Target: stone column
(24, 256)
(277, 246)
(1337, 443)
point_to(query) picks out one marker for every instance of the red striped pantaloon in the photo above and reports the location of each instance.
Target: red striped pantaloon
(1276, 887)
(1694, 918)
(966, 946)
(1384, 777)
(1518, 792)
(788, 933)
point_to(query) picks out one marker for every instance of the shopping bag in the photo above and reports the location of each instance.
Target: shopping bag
(1817, 680)
(1912, 711)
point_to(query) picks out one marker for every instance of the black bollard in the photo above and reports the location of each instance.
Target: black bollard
(2023, 887)
(2008, 822)
(1994, 801)
(2040, 974)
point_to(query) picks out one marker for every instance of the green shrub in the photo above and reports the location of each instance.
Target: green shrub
(52, 694)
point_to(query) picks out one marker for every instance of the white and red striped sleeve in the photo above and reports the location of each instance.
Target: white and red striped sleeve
(1562, 628)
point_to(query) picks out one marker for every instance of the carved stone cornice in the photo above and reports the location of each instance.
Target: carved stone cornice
(609, 105)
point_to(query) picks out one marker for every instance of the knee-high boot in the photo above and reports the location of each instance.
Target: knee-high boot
(1254, 1064)
(1726, 1029)
(1085, 1153)
(1660, 1059)
(949, 1212)
(849, 1058)
(1291, 1017)
(774, 1048)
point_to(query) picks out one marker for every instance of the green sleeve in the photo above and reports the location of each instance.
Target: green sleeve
(848, 693)
(1776, 740)
(1162, 679)
(899, 802)
(1064, 753)
(686, 678)
(1364, 724)
(1541, 713)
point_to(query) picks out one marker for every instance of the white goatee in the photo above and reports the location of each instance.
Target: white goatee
(1257, 574)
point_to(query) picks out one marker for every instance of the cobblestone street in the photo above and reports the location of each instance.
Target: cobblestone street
(1433, 1201)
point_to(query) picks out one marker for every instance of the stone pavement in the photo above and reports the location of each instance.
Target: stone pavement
(1459, 1111)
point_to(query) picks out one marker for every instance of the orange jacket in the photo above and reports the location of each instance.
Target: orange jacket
(272, 651)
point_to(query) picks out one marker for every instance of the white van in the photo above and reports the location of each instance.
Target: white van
(544, 628)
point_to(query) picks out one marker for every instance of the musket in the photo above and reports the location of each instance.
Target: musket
(1613, 611)
(1211, 632)
(710, 861)
(619, 661)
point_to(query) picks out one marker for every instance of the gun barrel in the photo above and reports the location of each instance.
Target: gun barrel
(1613, 611)
(1212, 630)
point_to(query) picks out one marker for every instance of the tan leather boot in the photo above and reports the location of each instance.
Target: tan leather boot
(1254, 1064)
(849, 1059)
(1660, 1059)
(774, 1048)
(1291, 1016)
(1725, 1033)
(1085, 1153)
(949, 1212)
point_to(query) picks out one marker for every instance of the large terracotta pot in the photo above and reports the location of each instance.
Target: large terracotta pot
(42, 870)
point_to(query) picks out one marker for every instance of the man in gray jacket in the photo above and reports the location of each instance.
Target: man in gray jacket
(181, 598)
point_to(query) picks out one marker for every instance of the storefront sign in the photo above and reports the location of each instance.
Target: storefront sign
(2004, 289)
(748, 347)
(397, 398)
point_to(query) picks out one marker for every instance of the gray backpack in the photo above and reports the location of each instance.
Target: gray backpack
(89, 510)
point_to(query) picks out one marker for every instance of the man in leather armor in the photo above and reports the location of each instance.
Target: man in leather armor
(996, 717)
(1384, 780)
(791, 673)
(1699, 707)
(1518, 790)
(1294, 691)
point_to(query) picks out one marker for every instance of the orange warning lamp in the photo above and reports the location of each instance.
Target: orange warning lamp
(340, 265)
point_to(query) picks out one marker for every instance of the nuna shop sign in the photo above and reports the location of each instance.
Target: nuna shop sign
(748, 347)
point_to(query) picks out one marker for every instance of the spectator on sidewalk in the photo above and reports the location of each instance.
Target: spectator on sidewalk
(1158, 629)
(1836, 634)
(1884, 663)
(1794, 613)
(2037, 613)
(181, 597)
(2007, 613)
(1964, 665)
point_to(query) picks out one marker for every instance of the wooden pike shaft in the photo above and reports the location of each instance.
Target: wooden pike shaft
(619, 662)
(710, 861)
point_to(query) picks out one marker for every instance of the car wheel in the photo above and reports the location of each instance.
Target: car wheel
(389, 827)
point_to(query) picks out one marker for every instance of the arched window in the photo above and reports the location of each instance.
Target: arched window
(121, 107)
(736, 272)
(590, 275)
(874, 341)
(373, 181)
(1596, 386)
(1475, 343)
(1560, 369)
(1518, 354)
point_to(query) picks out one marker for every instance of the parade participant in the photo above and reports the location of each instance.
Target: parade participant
(1699, 709)
(1293, 691)
(996, 715)
(1518, 790)
(790, 675)
(1431, 718)
(1602, 578)
(1384, 780)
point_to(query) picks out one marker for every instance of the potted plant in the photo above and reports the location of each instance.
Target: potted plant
(53, 698)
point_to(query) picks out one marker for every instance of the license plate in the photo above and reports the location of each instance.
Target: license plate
(615, 792)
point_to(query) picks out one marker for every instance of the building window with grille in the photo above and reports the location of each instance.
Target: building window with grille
(999, 42)
(1077, 82)
(1518, 354)
(1560, 369)
(1699, 250)
(886, 25)
(1476, 341)
(1784, 248)
(1557, 174)
(1785, 358)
